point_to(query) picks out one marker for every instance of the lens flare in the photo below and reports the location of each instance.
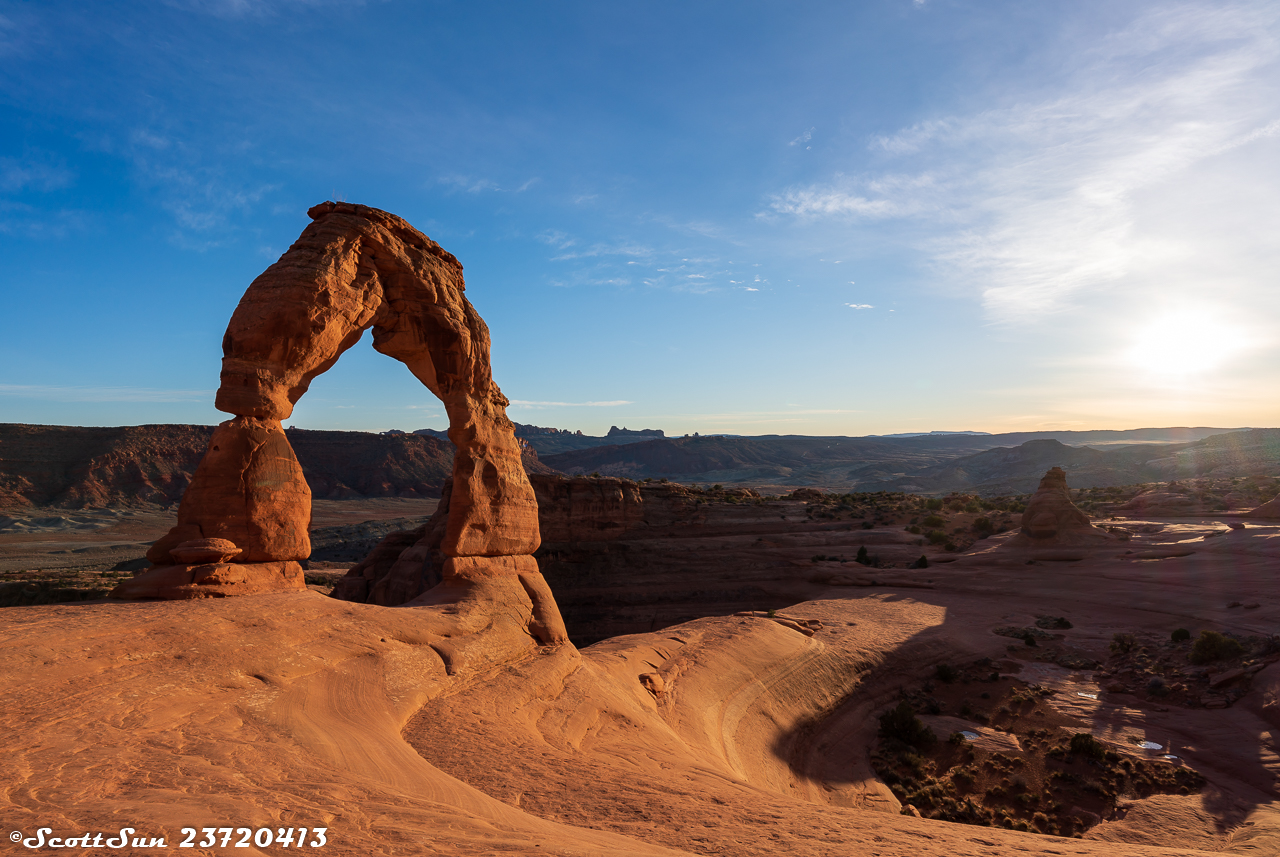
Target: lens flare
(1186, 343)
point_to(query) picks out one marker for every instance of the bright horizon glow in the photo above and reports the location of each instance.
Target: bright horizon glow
(828, 219)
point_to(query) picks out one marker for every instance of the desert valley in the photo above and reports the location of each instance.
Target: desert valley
(408, 643)
(720, 429)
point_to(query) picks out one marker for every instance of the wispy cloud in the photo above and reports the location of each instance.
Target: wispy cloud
(802, 139)
(468, 184)
(1167, 130)
(102, 394)
(873, 198)
(526, 404)
(26, 174)
(254, 8)
(625, 248)
(860, 306)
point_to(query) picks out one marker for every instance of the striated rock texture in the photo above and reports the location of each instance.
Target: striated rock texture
(248, 490)
(80, 467)
(1052, 520)
(356, 268)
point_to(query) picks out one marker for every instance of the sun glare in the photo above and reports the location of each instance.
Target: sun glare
(1185, 343)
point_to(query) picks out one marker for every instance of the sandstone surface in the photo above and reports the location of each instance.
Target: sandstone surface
(1268, 510)
(1162, 503)
(444, 729)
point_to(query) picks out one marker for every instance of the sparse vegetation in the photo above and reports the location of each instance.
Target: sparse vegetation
(1122, 643)
(1211, 646)
(1084, 744)
(1060, 781)
(901, 724)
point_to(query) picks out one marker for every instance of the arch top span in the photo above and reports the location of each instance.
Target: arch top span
(355, 268)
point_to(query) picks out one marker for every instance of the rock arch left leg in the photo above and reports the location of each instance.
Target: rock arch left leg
(243, 522)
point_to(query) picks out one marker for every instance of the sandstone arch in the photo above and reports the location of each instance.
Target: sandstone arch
(354, 268)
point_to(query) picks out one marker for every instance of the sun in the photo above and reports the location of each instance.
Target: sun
(1186, 343)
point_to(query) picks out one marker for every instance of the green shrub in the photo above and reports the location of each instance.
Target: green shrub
(862, 557)
(933, 521)
(935, 503)
(1181, 635)
(901, 724)
(1212, 646)
(1084, 744)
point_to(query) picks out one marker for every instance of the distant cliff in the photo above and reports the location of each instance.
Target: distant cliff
(76, 466)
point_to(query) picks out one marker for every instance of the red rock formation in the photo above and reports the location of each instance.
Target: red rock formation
(1052, 520)
(248, 490)
(1269, 510)
(1159, 503)
(352, 269)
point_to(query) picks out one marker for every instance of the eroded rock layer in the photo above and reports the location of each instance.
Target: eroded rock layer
(356, 268)
(1053, 520)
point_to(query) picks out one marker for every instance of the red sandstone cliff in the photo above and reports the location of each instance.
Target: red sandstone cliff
(77, 467)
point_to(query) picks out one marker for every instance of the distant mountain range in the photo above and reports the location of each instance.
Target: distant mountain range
(927, 433)
(71, 466)
(936, 463)
(550, 441)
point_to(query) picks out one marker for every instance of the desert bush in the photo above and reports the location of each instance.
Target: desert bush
(1212, 646)
(1157, 687)
(933, 521)
(901, 724)
(1084, 744)
(946, 673)
(983, 525)
(934, 503)
(936, 537)
(1180, 635)
(922, 562)
(1123, 643)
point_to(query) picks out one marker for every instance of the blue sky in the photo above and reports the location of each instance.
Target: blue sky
(753, 218)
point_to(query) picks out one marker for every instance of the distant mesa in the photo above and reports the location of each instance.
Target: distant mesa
(934, 434)
(614, 432)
